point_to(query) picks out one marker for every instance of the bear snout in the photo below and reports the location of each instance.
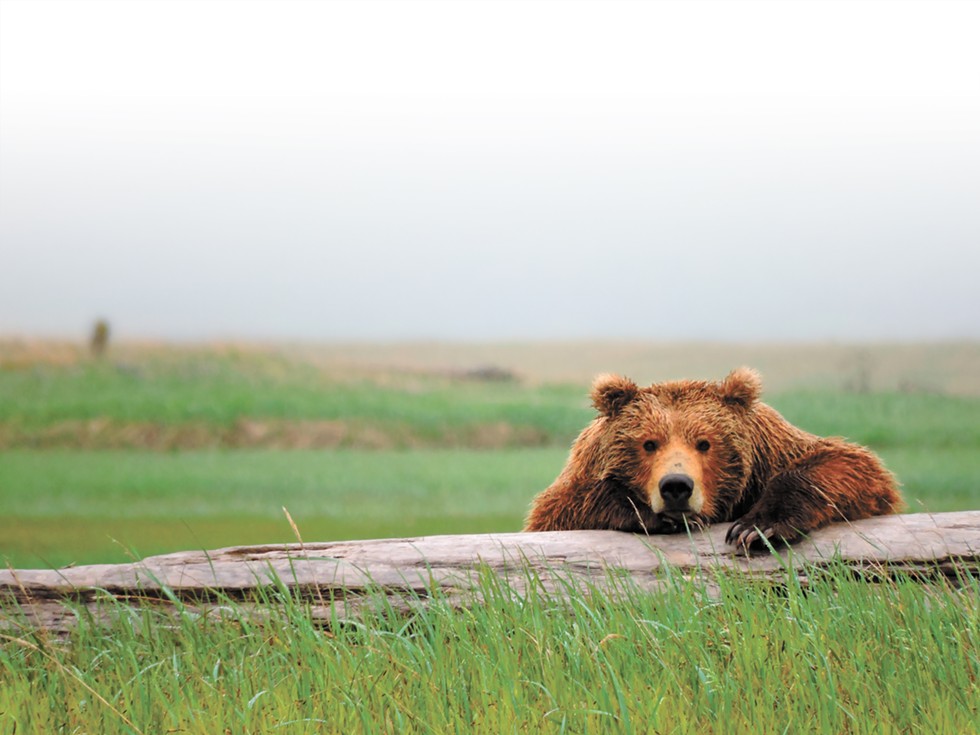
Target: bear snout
(676, 490)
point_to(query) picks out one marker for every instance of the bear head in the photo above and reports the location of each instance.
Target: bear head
(682, 447)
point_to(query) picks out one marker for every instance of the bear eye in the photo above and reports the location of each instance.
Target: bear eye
(703, 446)
(650, 445)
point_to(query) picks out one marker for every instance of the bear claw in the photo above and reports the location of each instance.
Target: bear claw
(744, 534)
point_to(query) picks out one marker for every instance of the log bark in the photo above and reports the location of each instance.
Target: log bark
(336, 579)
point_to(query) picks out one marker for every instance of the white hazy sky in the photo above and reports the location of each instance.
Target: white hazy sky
(491, 170)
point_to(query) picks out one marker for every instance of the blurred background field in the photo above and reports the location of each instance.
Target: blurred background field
(161, 447)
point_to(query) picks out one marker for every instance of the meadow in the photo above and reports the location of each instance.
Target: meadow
(159, 449)
(835, 656)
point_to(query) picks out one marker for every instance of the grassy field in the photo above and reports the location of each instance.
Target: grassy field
(837, 656)
(61, 507)
(105, 506)
(162, 449)
(189, 448)
(241, 402)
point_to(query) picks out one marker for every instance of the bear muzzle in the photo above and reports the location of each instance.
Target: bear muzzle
(675, 484)
(676, 494)
(678, 511)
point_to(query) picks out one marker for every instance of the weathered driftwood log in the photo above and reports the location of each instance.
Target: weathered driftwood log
(336, 578)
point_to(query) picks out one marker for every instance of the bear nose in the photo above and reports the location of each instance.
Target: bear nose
(676, 489)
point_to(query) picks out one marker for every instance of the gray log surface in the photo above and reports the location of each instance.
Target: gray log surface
(334, 577)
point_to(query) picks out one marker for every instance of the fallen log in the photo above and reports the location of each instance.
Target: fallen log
(335, 579)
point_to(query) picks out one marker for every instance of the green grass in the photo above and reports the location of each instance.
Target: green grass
(60, 507)
(842, 656)
(219, 391)
(84, 507)
(839, 656)
(214, 392)
(884, 420)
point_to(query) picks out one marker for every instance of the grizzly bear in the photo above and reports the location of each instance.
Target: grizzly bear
(688, 453)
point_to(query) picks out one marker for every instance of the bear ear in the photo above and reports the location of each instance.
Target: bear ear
(741, 388)
(610, 393)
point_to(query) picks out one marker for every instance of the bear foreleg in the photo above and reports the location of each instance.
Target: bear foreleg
(835, 482)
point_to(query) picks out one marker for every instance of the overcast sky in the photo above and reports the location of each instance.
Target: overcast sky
(499, 170)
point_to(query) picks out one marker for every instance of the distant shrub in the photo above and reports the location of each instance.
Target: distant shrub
(99, 341)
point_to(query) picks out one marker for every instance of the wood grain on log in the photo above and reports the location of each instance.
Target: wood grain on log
(335, 577)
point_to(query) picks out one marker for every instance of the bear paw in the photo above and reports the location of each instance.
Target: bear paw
(680, 523)
(747, 532)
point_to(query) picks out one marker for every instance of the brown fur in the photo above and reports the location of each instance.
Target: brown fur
(660, 458)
